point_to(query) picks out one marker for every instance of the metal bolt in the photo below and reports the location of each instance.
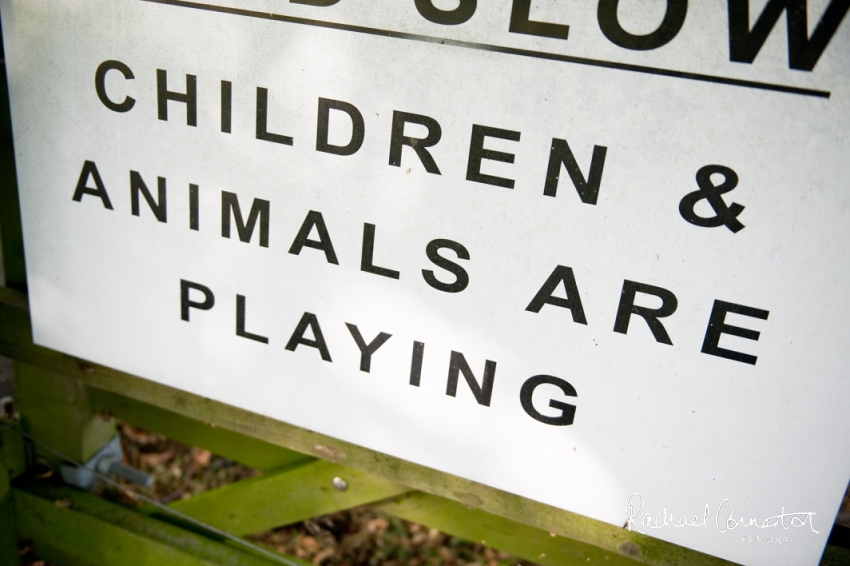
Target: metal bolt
(340, 484)
(111, 465)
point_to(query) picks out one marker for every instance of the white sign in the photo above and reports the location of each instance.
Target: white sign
(592, 254)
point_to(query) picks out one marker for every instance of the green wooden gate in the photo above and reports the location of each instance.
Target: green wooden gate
(67, 403)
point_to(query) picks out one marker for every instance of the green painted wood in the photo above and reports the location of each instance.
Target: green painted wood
(5, 482)
(12, 451)
(286, 496)
(238, 447)
(835, 556)
(59, 411)
(15, 299)
(16, 342)
(8, 529)
(70, 527)
(502, 534)
(70, 538)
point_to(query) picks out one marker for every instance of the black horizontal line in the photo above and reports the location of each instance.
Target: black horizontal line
(499, 49)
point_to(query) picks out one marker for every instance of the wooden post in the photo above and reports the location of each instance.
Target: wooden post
(59, 412)
(89, 530)
(8, 530)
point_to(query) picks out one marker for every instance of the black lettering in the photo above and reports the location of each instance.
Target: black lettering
(309, 319)
(158, 206)
(567, 411)
(461, 276)
(323, 243)
(100, 85)
(477, 153)
(226, 106)
(419, 145)
(90, 170)
(366, 350)
(190, 99)
(724, 214)
(717, 326)
(482, 392)
(520, 23)
(358, 128)
(588, 189)
(459, 15)
(627, 308)
(194, 208)
(367, 256)
(260, 209)
(240, 322)
(573, 301)
(803, 51)
(186, 303)
(416, 363)
(263, 120)
(609, 23)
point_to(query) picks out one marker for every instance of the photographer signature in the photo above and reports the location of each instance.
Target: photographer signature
(723, 519)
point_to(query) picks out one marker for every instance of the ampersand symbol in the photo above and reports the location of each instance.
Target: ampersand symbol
(726, 215)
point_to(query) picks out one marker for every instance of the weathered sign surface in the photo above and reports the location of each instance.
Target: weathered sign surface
(595, 254)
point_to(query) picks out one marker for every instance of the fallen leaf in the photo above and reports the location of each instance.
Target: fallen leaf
(139, 437)
(309, 544)
(378, 525)
(326, 553)
(201, 457)
(153, 458)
